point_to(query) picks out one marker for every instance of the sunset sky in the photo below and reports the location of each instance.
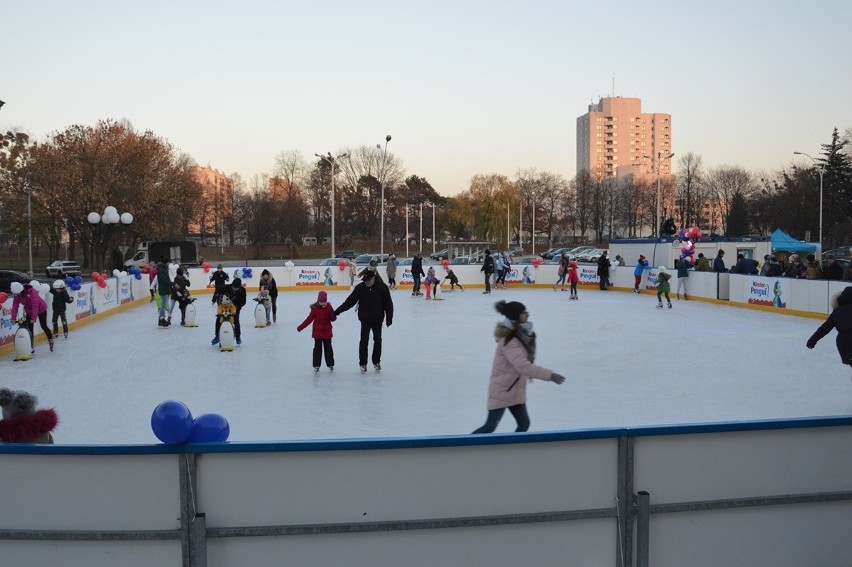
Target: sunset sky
(464, 87)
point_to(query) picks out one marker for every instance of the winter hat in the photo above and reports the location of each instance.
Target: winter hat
(16, 404)
(367, 274)
(219, 267)
(512, 309)
(641, 257)
(663, 269)
(237, 282)
(322, 297)
(58, 284)
(17, 288)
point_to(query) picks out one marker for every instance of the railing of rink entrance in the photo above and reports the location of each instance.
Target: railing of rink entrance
(741, 493)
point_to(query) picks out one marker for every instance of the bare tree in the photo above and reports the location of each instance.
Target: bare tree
(723, 183)
(290, 175)
(689, 188)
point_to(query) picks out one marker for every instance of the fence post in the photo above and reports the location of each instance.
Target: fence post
(624, 504)
(643, 525)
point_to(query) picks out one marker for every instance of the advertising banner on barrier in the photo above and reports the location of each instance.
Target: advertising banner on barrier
(522, 274)
(84, 301)
(7, 327)
(768, 291)
(589, 276)
(651, 278)
(317, 276)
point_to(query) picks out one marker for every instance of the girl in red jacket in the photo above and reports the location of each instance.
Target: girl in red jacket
(322, 314)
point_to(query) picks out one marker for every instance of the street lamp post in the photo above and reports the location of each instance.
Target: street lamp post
(821, 173)
(657, 222)
(382, 224)
(109, 221)
(331, 161)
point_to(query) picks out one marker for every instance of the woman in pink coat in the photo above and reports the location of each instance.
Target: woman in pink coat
(34, 308)
(513, 364)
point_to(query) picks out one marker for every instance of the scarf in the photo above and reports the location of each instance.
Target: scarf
(524, 333)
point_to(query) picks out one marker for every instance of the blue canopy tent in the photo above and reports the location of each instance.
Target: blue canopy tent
(783, 242)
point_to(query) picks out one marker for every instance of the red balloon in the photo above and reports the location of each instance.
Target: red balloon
(145, 269)
(207, 266)
(95, 276)
(536, 262)
(101, 283)
(3, 297)
(342, 264)
(445, 262)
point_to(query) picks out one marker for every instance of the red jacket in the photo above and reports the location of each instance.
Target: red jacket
(322, 318)
(32, 428)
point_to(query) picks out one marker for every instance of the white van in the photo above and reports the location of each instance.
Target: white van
(309, 241)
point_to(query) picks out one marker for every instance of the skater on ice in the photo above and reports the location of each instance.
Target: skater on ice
(417, 273)
(267, 281)
(321, 316)
(180, 295)
(641, 265)
(219, 279)
(225, 312)
(164, 291)
(391, 271)
(840, 318)
(512, 367)
(34, 308)
(573, 277)
(454, 280)
(237, 294)
(663, 287)
(60, 301)
(264, 302)
(375, 305)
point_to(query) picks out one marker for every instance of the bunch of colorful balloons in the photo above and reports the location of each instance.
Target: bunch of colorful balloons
(74, 283)
(536, 262)
(687, 248)
(135, 272)
(173, 424)
(99, 279)
(246, 273)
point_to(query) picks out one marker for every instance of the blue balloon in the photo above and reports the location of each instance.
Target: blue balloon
(137, 275)
(171, 422)
(69, 280)
(78, 279)
(209, 428)
(246, 273)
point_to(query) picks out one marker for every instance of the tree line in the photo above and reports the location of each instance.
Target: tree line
(85, 168)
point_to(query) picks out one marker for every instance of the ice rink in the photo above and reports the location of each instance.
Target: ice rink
(626, 362)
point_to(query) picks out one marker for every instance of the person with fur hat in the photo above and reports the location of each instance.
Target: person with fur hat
(840, 318)
(267, 281)
(321, 315)
(61, 299)
(34, 308)
(21, 422)
(375, 305)
(637, 273)
(512, 367)
(663, 287)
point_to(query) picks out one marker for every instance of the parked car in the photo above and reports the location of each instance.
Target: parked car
(350, 254)
(529, 260)
(407, 261)
(445, 253)
(365, 258)
(554, 253)
(62, 268)
(590, 255)
(547, 254)
(842, 252)
(9, 276)
(574, 252)
(330, 262)
(460, 261)
(515, 251)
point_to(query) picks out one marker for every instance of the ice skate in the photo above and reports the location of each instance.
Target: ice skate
(659, 306)
(363, 369)
(215, 341)
(331, 368)
(685, 297)
(316, 369)
(377, 366)
(51, 343)
(670, 305)
(677, 296)
(66, 335)
(239, 341)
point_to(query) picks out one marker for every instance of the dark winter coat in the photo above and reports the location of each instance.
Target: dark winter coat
(238, 296)
(774, 270)
(374, 302)
(832, 271)
(719, 264)
(417, 266)
(60, 299)
(164, 284)
(269, 284)
(603, 266)
(745, 266)
(321, 318)
(31, 428)
(840, 319)
(180, 287)
(683, 269)
(487, 264)
(219, 279)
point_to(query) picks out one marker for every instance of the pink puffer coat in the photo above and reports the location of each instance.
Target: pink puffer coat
(510, 370)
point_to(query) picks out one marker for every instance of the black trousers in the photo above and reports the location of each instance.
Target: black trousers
(488, 282)
(321, 345)
(519, 412)
(376, 329)
(42, 320)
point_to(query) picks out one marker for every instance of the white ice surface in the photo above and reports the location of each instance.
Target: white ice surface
(626, 362)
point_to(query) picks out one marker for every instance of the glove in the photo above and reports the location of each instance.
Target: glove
(333, 317)
(299, 329)
(390, 322)
(811, 343)
(557, 378)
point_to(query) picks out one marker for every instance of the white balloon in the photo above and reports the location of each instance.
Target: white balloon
(94, 218)
(115, 272)
(35, 284)
(44, 288)
(289, 264)
(122, 274)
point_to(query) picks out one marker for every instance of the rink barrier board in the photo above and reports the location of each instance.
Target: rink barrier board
(803, 298)
(567, 496)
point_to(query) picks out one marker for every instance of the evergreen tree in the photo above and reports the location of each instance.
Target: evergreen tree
(738, 220)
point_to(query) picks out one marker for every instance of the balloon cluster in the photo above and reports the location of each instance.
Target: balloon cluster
(687, 248)
(99, 279)
(135, 272)
(42, 288)
(173, 424)
(445, 263)
(246, 273)
(119, 274)
(289, 265)
(74, 283)
(145, 269)
(206, 266)
(342, 264)
(536, 262)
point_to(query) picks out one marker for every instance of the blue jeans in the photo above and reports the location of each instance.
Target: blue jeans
(519, 412)
(416, 278)
(164, 305)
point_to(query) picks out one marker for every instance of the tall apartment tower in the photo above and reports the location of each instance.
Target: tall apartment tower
(216, 201)
(615, 138)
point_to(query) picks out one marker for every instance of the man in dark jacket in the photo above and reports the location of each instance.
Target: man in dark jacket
(374, 305)
(719, 262)
(744, 266)
(488, 269)
(774, 270)
(832, 270)
(416, 273)
(603, 271)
